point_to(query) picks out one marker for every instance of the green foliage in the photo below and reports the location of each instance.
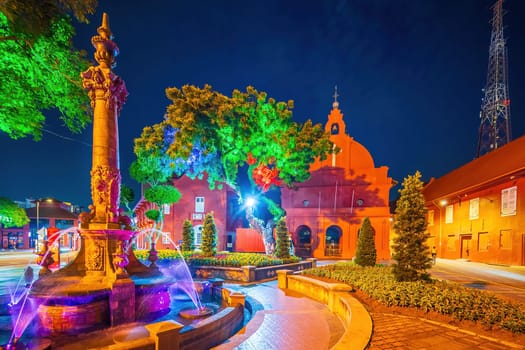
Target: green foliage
(11, 215)
(446, 298)
(153, 214)
(209, 236)
(225, 259)
(147, 169)
(410, 251)
(126, 196)
(34, 17)
(282, 249)
(366, 254)
(207, 133)
(162, 194)
(40, 73)
(187, 236)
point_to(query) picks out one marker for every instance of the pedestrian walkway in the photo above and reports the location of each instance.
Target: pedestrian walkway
(293, 321)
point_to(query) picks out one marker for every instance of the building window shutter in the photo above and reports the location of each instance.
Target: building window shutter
(508, 201)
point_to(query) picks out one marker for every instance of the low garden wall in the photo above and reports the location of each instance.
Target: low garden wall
(337, 297)
(248, 273)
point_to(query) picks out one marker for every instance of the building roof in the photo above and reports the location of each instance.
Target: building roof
(503, 164)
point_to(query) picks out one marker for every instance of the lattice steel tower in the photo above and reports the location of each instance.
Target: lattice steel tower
(494, 130)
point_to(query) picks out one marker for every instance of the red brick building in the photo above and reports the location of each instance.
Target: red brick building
(197, 200)
(324, 213)
(477, 211)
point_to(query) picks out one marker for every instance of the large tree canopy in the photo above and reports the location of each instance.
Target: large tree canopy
(40, 69)
(11, 215)
(34, 17)
(206, 132)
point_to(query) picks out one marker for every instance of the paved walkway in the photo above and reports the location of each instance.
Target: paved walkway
(293, 321)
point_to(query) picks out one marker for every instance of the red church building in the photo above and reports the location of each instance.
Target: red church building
(325, 213)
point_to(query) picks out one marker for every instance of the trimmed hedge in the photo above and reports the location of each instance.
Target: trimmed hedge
(444, 297)
(225, 259)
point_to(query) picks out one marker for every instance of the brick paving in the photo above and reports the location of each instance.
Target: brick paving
(294, 322)
(396, 332)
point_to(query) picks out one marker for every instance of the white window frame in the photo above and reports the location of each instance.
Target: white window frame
(166, 238)
(199, 204)
(197, 235)
(473, 213)
(166, 208)
(449, 214)
(509, 198)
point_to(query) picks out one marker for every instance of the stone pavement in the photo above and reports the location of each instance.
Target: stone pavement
(287, 321)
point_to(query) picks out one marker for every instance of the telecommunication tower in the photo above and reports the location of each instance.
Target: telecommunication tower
(494, 130)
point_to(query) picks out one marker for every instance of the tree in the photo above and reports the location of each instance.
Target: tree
(209, 236)
(282, 249)
(187, 236)
(34, 17)
(410, 251)
(207, 133)
(11, 215)
(38, 65)
(366, 254)
(39, 74)
(160, 195)
(126, 196)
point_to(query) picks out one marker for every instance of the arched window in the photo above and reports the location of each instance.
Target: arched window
(332, 241)
(334, 129)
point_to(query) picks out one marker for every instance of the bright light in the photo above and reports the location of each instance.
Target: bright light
(443, 202)
(250, 202)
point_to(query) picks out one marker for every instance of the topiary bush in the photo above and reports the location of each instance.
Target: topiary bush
(187, 236)
(209, 236)
(282, 249)
(366, 254)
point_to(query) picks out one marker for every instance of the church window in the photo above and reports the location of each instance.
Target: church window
(335, 129)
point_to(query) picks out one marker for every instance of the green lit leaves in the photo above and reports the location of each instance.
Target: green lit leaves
(11, 215)
(40, 75)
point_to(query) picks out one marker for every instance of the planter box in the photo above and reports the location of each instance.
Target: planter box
(247, 273)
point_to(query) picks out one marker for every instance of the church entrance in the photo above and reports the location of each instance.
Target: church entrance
(332, 241)
(303, 246)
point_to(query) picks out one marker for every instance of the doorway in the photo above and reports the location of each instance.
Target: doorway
(303, 246)
(465, 246)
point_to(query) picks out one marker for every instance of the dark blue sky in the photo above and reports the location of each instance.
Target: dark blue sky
(409, 75)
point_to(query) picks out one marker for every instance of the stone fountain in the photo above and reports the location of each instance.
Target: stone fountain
(105, 285)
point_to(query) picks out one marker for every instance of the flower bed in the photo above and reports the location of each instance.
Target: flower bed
(446, 298)
(224, 259)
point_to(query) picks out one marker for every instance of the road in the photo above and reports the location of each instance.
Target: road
(504, 281)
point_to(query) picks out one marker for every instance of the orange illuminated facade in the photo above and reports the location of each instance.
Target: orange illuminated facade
(325, 213)
(477, 211)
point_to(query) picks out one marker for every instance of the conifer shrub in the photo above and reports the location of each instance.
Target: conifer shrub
(410, 251)
(366, 254)
(187, 236)
(282, 249)
(209, 236)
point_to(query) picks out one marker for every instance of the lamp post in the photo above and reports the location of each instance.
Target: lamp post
(37, 222)
(442, 204)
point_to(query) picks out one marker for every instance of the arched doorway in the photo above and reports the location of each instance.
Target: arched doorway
(303, 246)
(332, 241)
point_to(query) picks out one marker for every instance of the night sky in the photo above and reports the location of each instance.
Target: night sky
(409, 74)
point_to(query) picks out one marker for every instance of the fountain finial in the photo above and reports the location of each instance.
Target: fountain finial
(104, 31)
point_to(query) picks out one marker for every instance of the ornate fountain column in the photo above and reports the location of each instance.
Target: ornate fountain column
(107, 93)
